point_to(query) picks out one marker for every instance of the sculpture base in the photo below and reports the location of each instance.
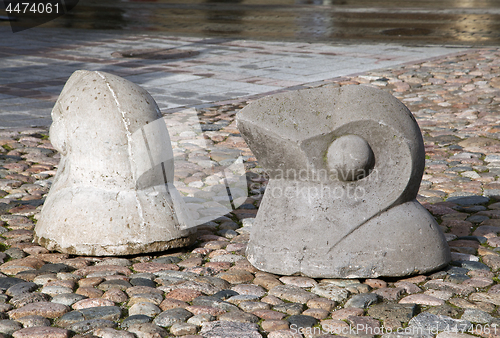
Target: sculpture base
(97, 222)
(400, 241)
(116, 250)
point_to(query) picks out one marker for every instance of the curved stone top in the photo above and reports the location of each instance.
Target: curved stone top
(113, 193)
(113, 142)
(293, 131)
(303, 114)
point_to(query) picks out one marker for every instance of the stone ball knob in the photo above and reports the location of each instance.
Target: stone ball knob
(350, 157)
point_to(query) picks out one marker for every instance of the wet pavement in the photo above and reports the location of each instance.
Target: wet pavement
(179, 72)
(462, 22)
(191, 53)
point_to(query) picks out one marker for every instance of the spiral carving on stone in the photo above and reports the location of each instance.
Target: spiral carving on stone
(345, 165)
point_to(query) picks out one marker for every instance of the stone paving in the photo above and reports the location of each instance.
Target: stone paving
(211, 290)
(179, 72)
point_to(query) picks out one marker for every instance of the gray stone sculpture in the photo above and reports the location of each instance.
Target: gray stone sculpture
(345, 165)
(113, 193)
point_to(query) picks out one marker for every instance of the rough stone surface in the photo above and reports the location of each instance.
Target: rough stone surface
(170, 317)
(67, 298)
(239, 316)
(422, 300)
(8, 327)
(275, 325)
(493, 298)
(119, 191)
(44, 309)
(91, 302)
(147, 330)
(331, 291)
(399, 312)
(291, 293)
(92, 324)
(290, 308)
(183, 329)
(199, 319)
(343, 314)
(363, 300)
(321, 303)
(390, 293)
(225, 329)
(477, 316)
(302, 321)
(41, 332)
(135, 319)
(290, 133)
(438, 323)
(364, 324)
(444, 310)
(112, 333)
(144, 308)
(34, 320)
(249, 289)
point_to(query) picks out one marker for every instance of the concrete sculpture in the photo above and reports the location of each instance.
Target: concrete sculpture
(345, 165)
(113, 193)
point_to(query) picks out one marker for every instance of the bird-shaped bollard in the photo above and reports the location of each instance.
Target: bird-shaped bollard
(113, 193)
(345, 165)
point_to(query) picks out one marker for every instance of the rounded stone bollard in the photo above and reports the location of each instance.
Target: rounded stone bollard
(113, 193)
(345, 166)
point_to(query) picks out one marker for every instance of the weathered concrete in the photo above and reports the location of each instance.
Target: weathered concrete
(113, 193)
(345, 165)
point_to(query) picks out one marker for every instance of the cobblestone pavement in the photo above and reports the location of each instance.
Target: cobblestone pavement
(211, 290)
